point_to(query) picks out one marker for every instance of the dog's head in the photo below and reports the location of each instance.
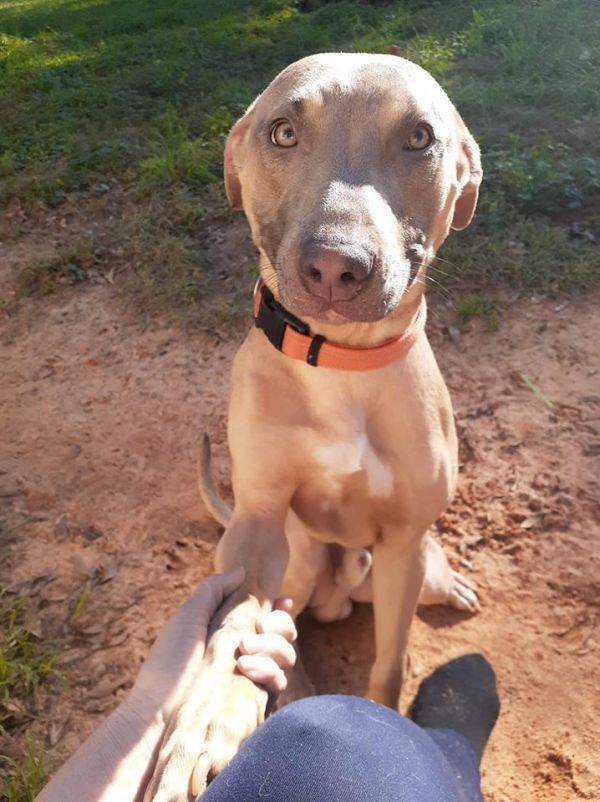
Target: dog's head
(351, 169)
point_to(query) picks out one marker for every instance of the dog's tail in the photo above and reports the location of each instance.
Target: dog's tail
(210, 496)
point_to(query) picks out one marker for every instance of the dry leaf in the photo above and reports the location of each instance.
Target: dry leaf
(57, 730)
(108, 572)
(71, 656)
(118, 639)
(95, 629)
(530, 521)
(107, 687)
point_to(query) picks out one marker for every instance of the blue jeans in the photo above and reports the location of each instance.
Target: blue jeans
(346, 749)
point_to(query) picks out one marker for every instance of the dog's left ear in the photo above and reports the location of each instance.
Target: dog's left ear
(469, 175)
(234, 145)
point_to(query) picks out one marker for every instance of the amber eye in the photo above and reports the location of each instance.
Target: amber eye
(283, 134)
(420, 138)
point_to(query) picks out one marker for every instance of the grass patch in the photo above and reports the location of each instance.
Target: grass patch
(170, 286)
(85, 90)
(166, 274)
(23, 779)
(67, 267)
(178, 158)
(526, 254)
(533, 68)
(535, 181)
(80, 602)
(25, 660)
(144, 94)
(480, 308)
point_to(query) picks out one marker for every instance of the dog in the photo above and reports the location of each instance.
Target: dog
(351, 170)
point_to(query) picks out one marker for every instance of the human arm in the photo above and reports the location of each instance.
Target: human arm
(115, 763)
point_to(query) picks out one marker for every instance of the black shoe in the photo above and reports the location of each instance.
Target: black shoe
(460, 695)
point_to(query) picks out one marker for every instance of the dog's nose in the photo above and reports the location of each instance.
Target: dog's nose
(332, 274)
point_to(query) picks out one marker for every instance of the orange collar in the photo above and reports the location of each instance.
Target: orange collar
(292, 337)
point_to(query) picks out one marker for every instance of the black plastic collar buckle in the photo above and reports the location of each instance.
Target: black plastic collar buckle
(273, 318)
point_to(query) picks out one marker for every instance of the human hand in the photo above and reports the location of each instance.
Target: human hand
(120, 757)
(175, 661)
(265, 657)
(187, 689)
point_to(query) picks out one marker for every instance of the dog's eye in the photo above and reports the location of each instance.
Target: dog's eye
(283, 134)
(420, 138)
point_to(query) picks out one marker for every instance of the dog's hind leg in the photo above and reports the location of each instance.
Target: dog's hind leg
(332, 598)
(442, 584)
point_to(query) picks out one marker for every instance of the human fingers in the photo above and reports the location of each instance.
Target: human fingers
(284, 604)
(272, 645)
(263, 670)
(279, 622)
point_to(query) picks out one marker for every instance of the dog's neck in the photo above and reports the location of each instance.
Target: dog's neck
(368, 335)
(365, 335)
(293, 337)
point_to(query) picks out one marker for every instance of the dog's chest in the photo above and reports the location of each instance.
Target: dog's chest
(355, 456)
(360, 475)
(347, 483)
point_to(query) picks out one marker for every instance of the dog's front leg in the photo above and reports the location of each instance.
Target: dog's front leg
(223, 707)
(398, 572)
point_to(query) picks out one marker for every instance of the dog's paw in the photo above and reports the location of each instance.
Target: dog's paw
(204, 735)
(452, 589)
(462, 594)
(444, 585)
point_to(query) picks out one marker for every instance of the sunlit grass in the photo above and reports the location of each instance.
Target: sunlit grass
(25, 659)
(23, 778)
(97, 92)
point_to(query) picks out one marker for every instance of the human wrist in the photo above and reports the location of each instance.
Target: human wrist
(139, 711)
(114, 761)
(134, 732)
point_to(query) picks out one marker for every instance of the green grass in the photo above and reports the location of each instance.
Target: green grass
(475, 307)
(80, 602)
(68, 266)
(23, 779)
(96, 94)
(25, 660)
(527, 253)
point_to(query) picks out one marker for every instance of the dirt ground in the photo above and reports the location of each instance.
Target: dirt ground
(103, 526)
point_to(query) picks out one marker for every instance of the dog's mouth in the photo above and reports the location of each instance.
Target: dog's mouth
(355, 310)
(370, 303)
(333, 313)
(331, 316)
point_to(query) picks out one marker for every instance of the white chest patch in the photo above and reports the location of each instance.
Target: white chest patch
(342, 459)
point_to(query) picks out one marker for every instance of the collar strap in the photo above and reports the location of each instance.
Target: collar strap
(292, 337)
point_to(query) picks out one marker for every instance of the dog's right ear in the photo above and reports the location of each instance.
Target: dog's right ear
(232, 161)
(469, 175)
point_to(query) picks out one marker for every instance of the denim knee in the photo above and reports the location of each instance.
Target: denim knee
(340, 749)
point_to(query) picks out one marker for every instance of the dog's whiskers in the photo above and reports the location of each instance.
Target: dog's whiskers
(453, 265)
(427, 278)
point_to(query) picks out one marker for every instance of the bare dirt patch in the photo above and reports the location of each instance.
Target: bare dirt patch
(101, 419)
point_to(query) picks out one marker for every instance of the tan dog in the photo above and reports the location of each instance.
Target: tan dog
(351, 170)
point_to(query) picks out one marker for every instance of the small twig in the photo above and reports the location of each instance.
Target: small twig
(535, 389)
